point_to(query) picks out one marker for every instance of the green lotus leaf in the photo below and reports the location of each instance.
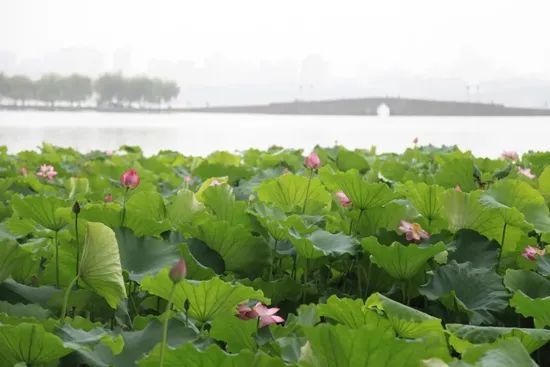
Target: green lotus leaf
(468, 245)
(464, 210)
(277, 290)
(106, 213)
(339, 345)
(221, 200)
(137, 343)
(512, 196)
(77, 187)
(41, 209)
(531, 295)
(29, 343)
(11, 257)
(530, 283)
(464, 289)
(197, 270)
(458, 171)
(207, 169)
(464, 337)
(544, 184)
(184, 209)
(427, 200)
(241, 251)
(322, 243)
(364, 195)
(386, 217)
(347, 159)
(505, 352)
(22, 310)
(225, 158)
(236, 333)
(536, 160)
(352, 313)
(537, 308)
(288, 193)
(100, 265)
(15, 292)
(85, 340)
(209, 183)
(67, 265)
(400, 261)
(208, 299)
(543, 265)
(407, 321)
(141, 256)
(189, 356)
(146, 214)
(277, 223)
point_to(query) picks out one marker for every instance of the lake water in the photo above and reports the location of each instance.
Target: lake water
(203, 133)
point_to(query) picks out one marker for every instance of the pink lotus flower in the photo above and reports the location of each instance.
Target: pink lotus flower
(47, 171)
(412, 231)
(344, 200)
(458, 188)
(24, 171)
(527, 173)
(415, 140)
(130, 179)
(530, 253)
(312, 161)
(267, 315)
(108, 198)
(178, 272)
(187, 179)
(510, 155)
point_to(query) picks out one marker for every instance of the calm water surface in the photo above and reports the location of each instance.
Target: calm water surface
(203, 133)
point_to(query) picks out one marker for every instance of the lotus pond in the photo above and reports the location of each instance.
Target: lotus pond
(431, 258)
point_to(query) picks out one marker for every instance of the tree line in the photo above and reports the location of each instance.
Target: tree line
(112, 90)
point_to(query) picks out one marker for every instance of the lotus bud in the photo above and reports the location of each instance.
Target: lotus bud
(76, 207)
(130, 179)
(312, 161)
(108, 198)
(178, 272)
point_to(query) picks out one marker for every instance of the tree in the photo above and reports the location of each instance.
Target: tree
(110, 88)
(76, 88)
(3, 86)
(20, 88)
(138, 89)
(170, 91)
(48, 89)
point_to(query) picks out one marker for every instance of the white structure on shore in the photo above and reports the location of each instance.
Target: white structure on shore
(383, 110)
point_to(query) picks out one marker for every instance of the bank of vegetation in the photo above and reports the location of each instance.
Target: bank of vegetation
(75, 90)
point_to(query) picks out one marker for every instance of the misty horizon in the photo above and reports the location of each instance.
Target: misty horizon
(249, 53)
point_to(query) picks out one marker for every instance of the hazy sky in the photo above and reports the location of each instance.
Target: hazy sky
(473, 40)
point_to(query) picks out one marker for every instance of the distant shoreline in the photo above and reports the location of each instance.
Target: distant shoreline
(338, 107)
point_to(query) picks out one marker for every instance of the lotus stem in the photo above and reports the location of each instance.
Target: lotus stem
(501, 245)
(124, 206)
(77, 246)
(306, 266)
(350, 226)
(307, 190)
(358, 271)
(359, 219)
(165, 326)
(368, 278)
(66, 298)
(56, 259)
